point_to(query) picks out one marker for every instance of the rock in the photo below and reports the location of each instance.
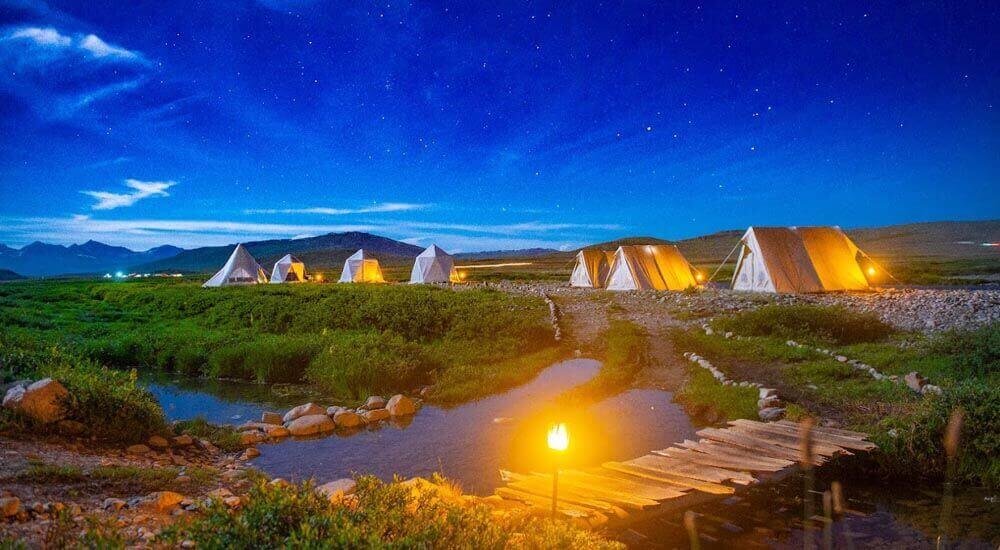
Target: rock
(233, 501)
(348, 419)
(312, 424)
(158, 442)
(251, 438)
(771, 414)
(279, 482)
(9, 507)
(931, 388)
(219, 493)
(764, 393)
(374, 402)
(250, 453)
(71, 427)
(113, 504)
(336, 490)
(271, 418)
(308, 409)
(332, 411)
(375, 415)
(137, 449)
(182, 440)
(773, 401)
(914, 381)
(43, 401)
(840, 358)
(163, 501)
(277, 431)
(400, 405)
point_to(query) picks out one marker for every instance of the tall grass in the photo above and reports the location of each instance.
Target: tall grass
(830, 324)
(626, 355)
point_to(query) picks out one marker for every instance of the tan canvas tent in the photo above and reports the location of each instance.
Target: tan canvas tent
(288, 269)
(434, 265)
(361, 267)
(240, 269)
(800, 259)
(592, 268)
(651, 267)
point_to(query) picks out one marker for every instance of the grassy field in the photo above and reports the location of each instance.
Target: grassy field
(350, 340)
(908, 428)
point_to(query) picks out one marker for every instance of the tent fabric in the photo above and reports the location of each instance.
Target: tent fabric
(288, 269)
(240, 269)
(361, 267)
(650, 267)
(433, 265)
(592, 268)
(798, 259)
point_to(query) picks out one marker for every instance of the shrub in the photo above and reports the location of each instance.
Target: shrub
(385, 515)
(223, 437)
(973, 352)
(833, 324)
(357, 364)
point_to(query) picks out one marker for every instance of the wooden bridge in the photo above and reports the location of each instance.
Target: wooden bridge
(724, 459)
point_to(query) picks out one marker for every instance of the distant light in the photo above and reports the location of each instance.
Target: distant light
(119, 275)
(871, 271)
(698, 277)
(318, 277)
(558, 438)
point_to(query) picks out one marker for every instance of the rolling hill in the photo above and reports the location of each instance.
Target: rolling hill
(8, 275)
(40, 259)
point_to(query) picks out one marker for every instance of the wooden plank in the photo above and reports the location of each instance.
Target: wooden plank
(703, 486)
(845, 442)
(826, 429)
(715, 448)
(718, 461)
(563, 508)
(644, 490)
(590, 489)
(644, 480)
(789, 441)
(689, 469)
(571, 497)
(755, 445)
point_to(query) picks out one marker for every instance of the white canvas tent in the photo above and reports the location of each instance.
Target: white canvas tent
(240, 269)
(288, 269)
(434, 265)
(800, 259)
(361, 267)
(651, 267)
(592, 268)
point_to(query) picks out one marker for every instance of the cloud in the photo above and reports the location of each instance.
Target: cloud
(99, 48)
(43, 37)
(90, 46)
(381, 207)
(107, 200)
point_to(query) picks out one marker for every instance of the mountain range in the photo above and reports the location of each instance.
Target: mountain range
(932, 240)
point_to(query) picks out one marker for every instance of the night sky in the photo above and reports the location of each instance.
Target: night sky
(486, 125)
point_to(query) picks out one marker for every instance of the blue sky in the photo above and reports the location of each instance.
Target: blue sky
(489, 125)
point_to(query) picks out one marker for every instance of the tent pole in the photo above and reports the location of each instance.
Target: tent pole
(725, 260)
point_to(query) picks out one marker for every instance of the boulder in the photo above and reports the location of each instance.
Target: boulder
(374, 402)
(9, 506)
(158, 442)
(333, 410)
(311, 424)
(914, 381)
(137, 449)
(250, 438)
(163, 501)
(113, 504)
(338, 489)
(303, 410)
(400, 405)
(348, 419)
(771, 414)
(250, 453)
(375, 415)
(277, 431)
(764, 393)
(42, 401)
(233, 501)
(271, 418)
(182, 440)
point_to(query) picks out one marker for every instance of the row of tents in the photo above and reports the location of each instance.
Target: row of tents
(771, 259)
(433, 265)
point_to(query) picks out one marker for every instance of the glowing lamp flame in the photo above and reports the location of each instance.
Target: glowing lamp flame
(318, 277)
(558, 437)
(871, 271)
(698, 277)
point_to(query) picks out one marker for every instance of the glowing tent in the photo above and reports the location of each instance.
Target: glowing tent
(800, 259)
(591, 270)
(288, 269)
(240, 269)
(360, 267)
(651, 267)
(434, 265)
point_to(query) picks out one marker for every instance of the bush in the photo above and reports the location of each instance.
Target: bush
(831, 324)
(973, 352)
(223, 437)
(385, 515)
(358, 364)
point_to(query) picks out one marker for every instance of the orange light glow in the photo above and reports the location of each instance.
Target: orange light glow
(871, 271)
(699, 277)
(558, 437)
(318, 277)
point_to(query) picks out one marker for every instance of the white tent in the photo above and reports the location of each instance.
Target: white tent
(360, 267)
(651, 267)
(240, 269)
(800, 259)
(592, 267)
(434, 265)
(288, 269)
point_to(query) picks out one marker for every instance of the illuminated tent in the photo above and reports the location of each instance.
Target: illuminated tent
(651, 267)
(800, 259)
(240, 269)
(360, 267)
(288, 269)
(591, 270)
(434, 265)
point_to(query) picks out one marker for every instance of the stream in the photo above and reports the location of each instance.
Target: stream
(470, 443)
